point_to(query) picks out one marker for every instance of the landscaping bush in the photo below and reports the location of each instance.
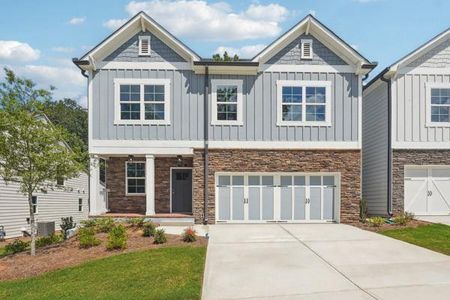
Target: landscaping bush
(376, 221)
(117, 238)
(403, 218)
(49, 240)
(16, 246)
(149, 229)
(66, 224)
(189, 235)
(160, 237)
(104, 224)
(89, 223)
(136, 222)
(87, 238)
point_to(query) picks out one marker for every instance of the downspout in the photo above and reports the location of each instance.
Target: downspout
(206, 138)
(389, 175)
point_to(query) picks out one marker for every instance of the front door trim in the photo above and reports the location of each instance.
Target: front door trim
(171, 175)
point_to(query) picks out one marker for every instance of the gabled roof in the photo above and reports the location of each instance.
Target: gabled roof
(390, 71)
(310, 25)
(140, 22)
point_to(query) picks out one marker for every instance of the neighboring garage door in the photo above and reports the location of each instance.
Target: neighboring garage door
(427, 190)
(271, 197)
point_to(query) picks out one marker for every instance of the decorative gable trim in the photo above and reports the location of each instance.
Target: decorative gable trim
(140, 22)
(311, 25)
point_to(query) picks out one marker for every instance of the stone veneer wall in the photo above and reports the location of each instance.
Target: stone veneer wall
(400, 158)
(119, 202)
(347, 162)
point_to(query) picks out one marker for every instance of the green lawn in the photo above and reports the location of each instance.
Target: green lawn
(165, 273)
(434, 237)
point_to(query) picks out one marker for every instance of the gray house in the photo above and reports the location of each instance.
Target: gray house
(406, 133)
(273, 138)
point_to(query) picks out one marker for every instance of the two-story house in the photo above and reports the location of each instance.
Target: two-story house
(406, 133)
(272, 138)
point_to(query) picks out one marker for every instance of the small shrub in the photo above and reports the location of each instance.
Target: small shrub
(376, 221)
(136, 222)
(403, 218)
(104, 224)
(16, 246)
(363, 210)
(87, 238)
(149, 229)
(49, 240)
(117, 238)
(89, 223)
(189, 235)
(160, 237)
(66, 224)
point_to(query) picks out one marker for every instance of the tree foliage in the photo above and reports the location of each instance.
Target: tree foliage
(32, 149)
(225, 58)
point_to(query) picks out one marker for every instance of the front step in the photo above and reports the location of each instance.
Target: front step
(172, 221)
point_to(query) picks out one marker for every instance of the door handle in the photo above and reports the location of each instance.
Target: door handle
(430, 193)
(245, 200)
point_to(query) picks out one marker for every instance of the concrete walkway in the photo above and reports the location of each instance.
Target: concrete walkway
(319, 261)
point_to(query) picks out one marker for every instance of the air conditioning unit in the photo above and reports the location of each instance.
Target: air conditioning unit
(45, 228)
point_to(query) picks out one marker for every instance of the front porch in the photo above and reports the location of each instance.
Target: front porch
(142, 186)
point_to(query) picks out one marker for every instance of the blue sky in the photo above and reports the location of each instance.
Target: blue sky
(39, 38)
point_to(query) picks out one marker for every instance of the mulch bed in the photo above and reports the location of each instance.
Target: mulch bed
(68, 254)
(385, 226)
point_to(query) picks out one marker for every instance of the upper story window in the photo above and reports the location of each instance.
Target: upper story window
(144, 46)
(34, 204)
(135, 177)
(304, 103)
(306, 49)
(438, 103)
(142, 101)
(227, 102)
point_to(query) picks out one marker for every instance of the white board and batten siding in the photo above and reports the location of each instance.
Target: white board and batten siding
(52, 206)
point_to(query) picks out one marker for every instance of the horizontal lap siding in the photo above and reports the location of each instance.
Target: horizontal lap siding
(410, 109)
(375, 150)
(259, 109)
(52, 206)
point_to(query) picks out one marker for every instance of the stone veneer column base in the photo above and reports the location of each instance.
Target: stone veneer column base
(347, 162)
(400, 158)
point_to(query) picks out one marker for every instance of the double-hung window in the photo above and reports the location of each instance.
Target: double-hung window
(226, 102)
(135, 179)
(142, 101)
(303, 103)
(438, 102)
(34, 204)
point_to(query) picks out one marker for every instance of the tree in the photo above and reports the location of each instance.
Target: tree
(32, 150)
(225, 57)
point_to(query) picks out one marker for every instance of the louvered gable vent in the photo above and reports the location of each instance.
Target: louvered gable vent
(306, 49)
(144, 45)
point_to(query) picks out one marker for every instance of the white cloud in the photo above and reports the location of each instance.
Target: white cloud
(114, 23)
(17, 51)
(76, 21)
(244, 52)
(198, 19)
(63, 49)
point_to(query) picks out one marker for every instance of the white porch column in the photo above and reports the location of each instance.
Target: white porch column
(93, 185)
(150, 184)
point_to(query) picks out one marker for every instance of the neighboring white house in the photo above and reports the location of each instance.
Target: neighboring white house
(406, 133)
(67, 200)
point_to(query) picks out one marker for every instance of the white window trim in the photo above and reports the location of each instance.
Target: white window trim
(306, 41)
(303, 84)
(428, 87)
(167, 99)
(216, 82)
(145, 37)
(36, 205)
(126, 178)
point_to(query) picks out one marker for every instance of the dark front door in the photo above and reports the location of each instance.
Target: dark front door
(182, 190)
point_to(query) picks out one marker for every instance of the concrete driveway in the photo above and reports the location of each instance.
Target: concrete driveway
(319, 261)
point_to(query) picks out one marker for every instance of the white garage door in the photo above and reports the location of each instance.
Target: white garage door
(427, 190)
(272, 197)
